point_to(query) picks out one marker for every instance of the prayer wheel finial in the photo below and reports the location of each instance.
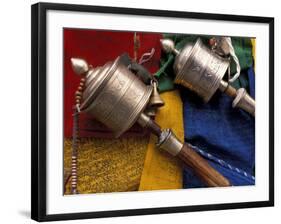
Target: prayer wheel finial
(168, 46)
(80, 66)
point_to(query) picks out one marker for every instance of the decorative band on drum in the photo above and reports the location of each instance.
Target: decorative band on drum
(98, 105)
(180, 76)
(100, 87)
(138, 110)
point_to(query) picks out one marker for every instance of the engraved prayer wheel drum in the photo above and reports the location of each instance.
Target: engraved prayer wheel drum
(114, 96)
(200, 70)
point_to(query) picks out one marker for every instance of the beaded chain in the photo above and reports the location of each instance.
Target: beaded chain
(76, 140)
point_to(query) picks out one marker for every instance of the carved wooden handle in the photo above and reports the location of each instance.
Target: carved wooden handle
(202, 168)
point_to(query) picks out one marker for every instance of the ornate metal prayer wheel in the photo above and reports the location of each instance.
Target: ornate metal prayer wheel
(114, 96)
(199, 70)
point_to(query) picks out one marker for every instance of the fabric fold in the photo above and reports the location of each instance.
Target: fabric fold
(161, 170)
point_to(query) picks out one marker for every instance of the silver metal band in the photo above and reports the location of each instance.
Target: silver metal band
(244, 101)
(169, 142)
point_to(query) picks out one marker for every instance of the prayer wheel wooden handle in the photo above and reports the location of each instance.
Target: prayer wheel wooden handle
(202, 168)
(169, 142)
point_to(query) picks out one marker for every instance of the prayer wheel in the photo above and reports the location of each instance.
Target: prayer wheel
(199, 69)
(117, 98)
(114, 96)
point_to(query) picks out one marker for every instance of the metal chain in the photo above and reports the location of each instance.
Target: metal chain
(75, 136)
(75, 142)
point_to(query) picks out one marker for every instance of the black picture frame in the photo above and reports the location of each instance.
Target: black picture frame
(38, 108)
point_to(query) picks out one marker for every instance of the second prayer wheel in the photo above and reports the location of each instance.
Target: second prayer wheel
(114, 96)
(198, 69)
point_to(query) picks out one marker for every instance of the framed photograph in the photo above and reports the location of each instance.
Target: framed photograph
(138, 111)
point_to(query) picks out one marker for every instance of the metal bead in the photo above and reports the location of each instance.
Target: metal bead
(78, 93)
(80, 88)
